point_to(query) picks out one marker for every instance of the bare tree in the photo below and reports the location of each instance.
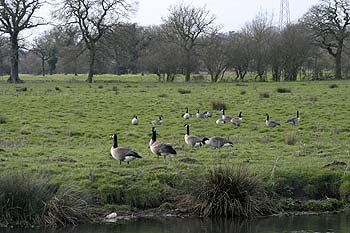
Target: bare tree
(213, 55)
(94, 19)
(238, 54)
(296, 48)
(159, 56)
(184, 25)
(259, 30)
(329, 22)
(16, 16)
(41, 49)
(276, 54)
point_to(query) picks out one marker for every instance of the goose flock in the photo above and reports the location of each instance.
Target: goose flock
(160, 148)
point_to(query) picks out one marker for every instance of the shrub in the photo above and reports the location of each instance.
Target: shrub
(27, 197)
(333, 85)
(25, 200)
(283, 90)
(264, 94)
(66, 207)
(217, 105)
(183, 91)
(231, 192)
(290, 138)
(3, 120)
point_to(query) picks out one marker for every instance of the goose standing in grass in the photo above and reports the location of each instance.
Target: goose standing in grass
(186, 115)
(191, 140)
(199, 115)
(160, 148)
(294, 120)
(134, 120)
(122, 154)
(159, 121)
(217, 142)
(237, 120)
(224, 117)
(270, 123)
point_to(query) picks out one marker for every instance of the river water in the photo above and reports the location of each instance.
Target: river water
(295, 224)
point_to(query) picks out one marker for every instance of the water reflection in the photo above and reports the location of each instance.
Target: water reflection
(323, 223)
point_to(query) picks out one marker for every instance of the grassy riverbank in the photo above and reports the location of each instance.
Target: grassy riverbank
(58, 128)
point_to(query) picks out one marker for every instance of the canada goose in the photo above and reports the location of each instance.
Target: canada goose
(224, 117)
(160, 148)
(159, 121)
(270, 123)
(294, 120)
(237, 120)
(134, 120)
(191, 140)
(217, 142)
(186, 115)
(199, 115)
(208, 114)
(122, 154)
(220, 121)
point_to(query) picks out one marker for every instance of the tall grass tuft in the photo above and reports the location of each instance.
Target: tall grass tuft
(22, 199)
(25, 200)
(3, 120)
(231, 192)
(218, 105)
(283, 90)
(264, 94)
(66, 207)
(183, 91)
(290, 138)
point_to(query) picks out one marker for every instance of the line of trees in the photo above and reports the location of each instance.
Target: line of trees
(93, 37)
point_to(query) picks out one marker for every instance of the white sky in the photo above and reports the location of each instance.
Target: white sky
(231, 14)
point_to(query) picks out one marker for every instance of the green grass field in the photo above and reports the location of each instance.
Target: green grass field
(60, 128)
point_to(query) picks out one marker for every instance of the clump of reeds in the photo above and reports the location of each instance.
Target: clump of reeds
(283, 90)
(290, 138)
(218, 105)
(25, 200)
(183, 91)
(264, 94)
(231, 191)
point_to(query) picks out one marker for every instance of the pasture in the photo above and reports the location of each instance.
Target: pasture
(59, 127)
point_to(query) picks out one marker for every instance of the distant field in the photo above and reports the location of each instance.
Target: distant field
(60, 129)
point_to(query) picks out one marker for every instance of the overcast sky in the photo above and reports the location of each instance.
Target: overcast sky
(231, 14)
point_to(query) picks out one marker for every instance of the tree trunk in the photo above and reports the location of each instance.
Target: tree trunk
(338, 61)
(92, 51)
(14, 78)
(43, 66)
(188, 66)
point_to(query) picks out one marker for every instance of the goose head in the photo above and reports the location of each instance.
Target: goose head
(204, 140)
(115, 140)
